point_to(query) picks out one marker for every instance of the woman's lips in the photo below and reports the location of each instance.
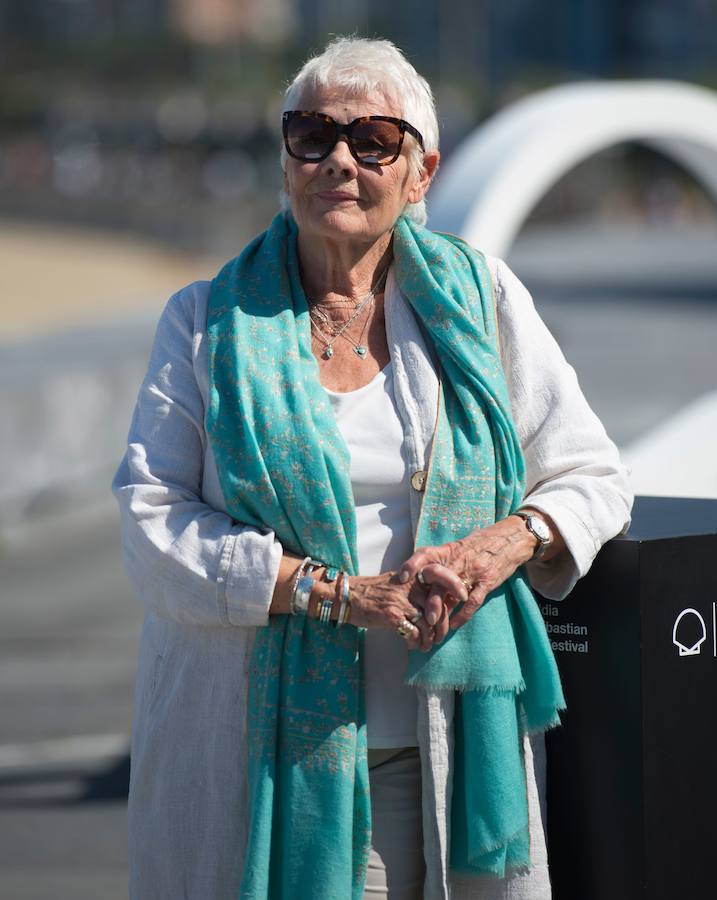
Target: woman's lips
(336, 196)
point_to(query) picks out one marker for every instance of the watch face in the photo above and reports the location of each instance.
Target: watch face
(539, 528)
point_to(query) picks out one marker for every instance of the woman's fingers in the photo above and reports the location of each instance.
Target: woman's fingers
(425, 631)
(445, 592)
(473, 603)
(434, 622)
(420, 637)
(420, 559)
(441, 627)
(412, 566)
(428, 565)
(434, 595)
(426, 638)
(485, 558)
(430, 601)
(413, 641)
(445, 580)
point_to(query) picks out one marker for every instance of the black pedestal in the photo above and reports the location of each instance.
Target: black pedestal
(632, 774)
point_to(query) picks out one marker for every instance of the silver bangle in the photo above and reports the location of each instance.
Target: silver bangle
(299, 573)
(298, 604)
(325, 611)
(344, 606)
(302, 594)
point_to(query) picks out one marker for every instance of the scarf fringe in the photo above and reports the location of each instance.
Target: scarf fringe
(491, 690)
(506, 872)
(535, 730)
(498, 871)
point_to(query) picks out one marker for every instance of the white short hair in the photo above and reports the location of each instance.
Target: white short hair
(364, 68)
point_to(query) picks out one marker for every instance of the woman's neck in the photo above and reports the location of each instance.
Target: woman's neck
(333, 271)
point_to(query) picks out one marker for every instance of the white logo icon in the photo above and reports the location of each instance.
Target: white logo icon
(691, 649)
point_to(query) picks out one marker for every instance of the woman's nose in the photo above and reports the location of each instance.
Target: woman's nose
(340, 159)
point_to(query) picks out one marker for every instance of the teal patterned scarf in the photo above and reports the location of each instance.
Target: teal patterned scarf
(283, 465)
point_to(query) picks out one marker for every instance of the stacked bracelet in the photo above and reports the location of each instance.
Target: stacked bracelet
(323, 610)
(304, 584)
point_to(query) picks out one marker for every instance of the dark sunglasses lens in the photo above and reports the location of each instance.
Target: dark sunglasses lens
(310, 137)
(375, 142)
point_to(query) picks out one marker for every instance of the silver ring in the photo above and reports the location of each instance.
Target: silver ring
(420, 579)
(416, 617)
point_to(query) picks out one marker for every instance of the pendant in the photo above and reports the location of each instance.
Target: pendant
(360, 350)
(328, 351)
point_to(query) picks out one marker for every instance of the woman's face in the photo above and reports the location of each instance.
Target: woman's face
(341, 199)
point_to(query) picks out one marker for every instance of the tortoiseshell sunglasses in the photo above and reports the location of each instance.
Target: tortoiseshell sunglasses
(372, 140)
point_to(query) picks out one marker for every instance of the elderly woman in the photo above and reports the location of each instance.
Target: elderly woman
(322, 710)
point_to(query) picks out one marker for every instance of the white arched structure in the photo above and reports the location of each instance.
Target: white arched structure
(497, 175)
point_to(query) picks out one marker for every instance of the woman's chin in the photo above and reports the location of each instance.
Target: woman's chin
(338, 222)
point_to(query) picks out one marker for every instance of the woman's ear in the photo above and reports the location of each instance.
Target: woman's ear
(428, 168)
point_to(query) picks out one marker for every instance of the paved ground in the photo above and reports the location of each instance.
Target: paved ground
(64, 851)
(68, 639)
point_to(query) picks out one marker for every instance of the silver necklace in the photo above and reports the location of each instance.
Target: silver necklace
(360, 349)
(324, 325)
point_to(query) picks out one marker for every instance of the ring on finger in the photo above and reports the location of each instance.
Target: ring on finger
(467, 584)
(420, 579)
(405, 629)
(416, 617)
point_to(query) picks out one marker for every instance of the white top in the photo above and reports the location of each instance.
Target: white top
(369, 422)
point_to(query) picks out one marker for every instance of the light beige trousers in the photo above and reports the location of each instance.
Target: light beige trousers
(396, 866)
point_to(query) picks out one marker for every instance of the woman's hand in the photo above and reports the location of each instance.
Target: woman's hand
(482, 561)
(385, 601)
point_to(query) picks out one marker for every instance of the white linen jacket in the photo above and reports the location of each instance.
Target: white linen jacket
(206, 583)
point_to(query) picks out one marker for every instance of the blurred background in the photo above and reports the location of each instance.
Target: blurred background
(139, 150)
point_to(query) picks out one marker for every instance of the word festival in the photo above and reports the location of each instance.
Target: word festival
(564, 628)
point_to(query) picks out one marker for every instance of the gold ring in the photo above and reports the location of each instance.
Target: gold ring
(420, 579)
(405, 629)
(466, 584)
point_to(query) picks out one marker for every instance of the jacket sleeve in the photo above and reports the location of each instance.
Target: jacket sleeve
(186, 560)
(573, 469)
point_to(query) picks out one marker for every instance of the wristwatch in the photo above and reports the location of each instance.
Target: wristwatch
(539, 529)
